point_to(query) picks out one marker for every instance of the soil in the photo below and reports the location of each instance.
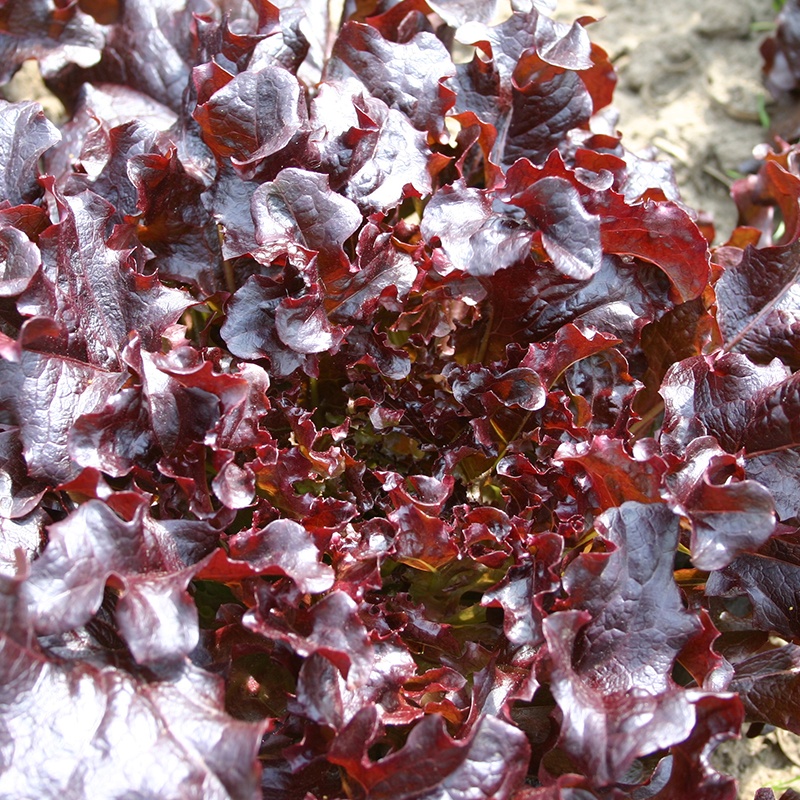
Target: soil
(690, 92)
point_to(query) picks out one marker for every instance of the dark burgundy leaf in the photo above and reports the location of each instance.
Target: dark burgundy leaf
(476, 388)
(606, 727)
(93, 289)
(93, 546)
(110, 125)
(372, 151)
(302, 325)
(491, 762)
(25, 134)
(719, 718)
(770, 581)
(180, 410)
(114, 438)
(21, 537)
(408, 77)
(54, 34)
(768, 684)
(757, 306)
(114, 732)
(105, 153)
(20, 495)
(385, 275)
(46, 394)
(147, 50)
(334, 630)
(572, 343)
(255, 114)
(531, 303)
(427, 494)
(249, 329)
(728, 513)
(570, 234)
(297, 213)
(713, 395)
(228, 200)
(684, 331)
(471, 236)
(603, 381)
(319, 695)
(700, 657)
(556, 43)
(519, 593)
(174, 223)
(551, 102)
(281, 548)
(658, 232)
(630, 645)
(536, 81)
(422, 541)
(661, 233)
(263, 322)
(353, 707)
(745, 406)
(615, 475)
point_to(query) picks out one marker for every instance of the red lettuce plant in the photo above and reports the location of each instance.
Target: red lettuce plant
(374, 425)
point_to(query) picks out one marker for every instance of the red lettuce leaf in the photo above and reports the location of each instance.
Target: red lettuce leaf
(407, 76)
(382, 274)
(372, 152)
(570, 235)
(719, 718)
(768, 684)
(114, 731)
(53, 34)
(252, 115)
(146, 49)
(681, 251)
(297, 212)
(745, 406)
(25, 134)
(769, 581)
(615, 475)
(20, 494)
(534, 81)
(605, 729)
(94, 546)
(431, 765)
(655, 231)
(728, 513)
(757, 308)
(46, 394)
(281, 548)
(173, 222)
(331, 628)
(611, 659)
(572, 343)
(93, 288)
(627, 646)
(521, 593)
